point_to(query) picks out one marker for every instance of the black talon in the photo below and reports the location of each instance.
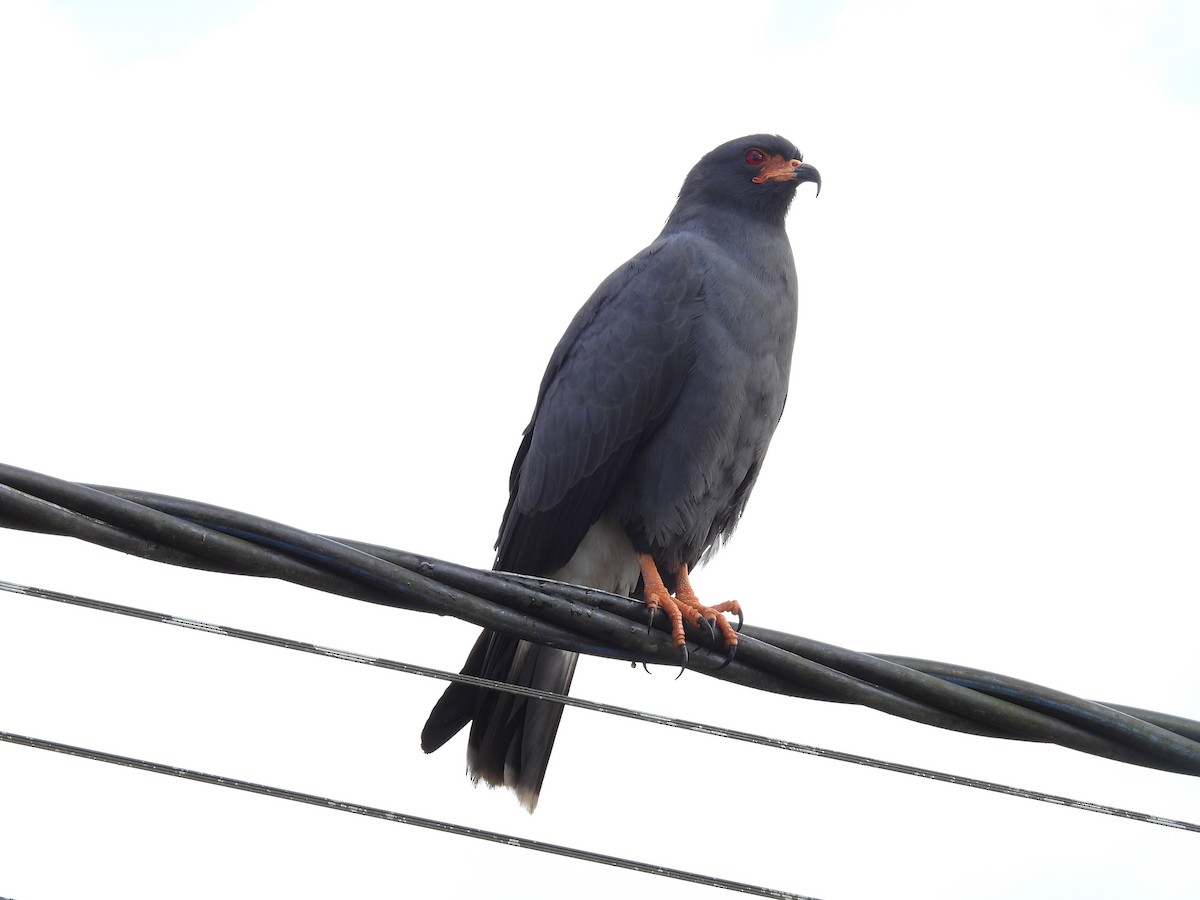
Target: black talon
(650, 619)
(712, 630)
(741, 622)
(685, 662)
(732, 654)
(644, 666)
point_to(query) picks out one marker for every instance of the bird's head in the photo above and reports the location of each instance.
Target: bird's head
(757, 174)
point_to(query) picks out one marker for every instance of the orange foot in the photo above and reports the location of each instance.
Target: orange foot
(686, 605)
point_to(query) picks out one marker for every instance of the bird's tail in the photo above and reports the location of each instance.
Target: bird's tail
(511, 736)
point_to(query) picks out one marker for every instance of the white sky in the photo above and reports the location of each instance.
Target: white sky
(307, 260)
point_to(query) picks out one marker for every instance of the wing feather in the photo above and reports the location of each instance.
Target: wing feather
(611, 380)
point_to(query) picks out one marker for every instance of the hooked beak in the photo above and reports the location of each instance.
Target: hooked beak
(780, 169)
(804, 172)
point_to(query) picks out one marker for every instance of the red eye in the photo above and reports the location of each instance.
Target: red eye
(755, 157)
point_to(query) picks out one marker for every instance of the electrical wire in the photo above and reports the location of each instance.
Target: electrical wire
(359, 809)
(199, 535)
(610, 709)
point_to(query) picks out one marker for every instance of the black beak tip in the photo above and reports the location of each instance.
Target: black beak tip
(815, 177)
(806, 172)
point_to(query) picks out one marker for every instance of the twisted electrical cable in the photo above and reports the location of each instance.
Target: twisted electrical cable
(199, 535)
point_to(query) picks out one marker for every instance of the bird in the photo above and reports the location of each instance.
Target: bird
(650, 427)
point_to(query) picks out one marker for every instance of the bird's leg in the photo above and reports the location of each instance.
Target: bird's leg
(655, 595)
(685, 605)
(685, 594)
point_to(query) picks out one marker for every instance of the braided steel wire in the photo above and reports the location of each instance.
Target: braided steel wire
(718, 731)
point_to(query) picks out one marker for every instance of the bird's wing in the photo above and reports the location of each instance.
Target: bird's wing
(612, 378)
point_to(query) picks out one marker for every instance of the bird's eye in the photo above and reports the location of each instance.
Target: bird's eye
(755, 157)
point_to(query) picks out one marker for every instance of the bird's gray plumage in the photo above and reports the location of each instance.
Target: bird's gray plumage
(650, 427)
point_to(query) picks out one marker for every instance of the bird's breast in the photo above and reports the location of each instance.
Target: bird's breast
(687, 484)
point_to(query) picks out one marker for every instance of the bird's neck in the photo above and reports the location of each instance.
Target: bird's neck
(726, 226)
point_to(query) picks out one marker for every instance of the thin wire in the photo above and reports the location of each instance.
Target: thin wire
(687, 725)
(402, 818)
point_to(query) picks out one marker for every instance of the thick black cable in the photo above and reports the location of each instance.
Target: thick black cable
(610, 709)
(374, 812)
(204, 536)
(800, 677)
